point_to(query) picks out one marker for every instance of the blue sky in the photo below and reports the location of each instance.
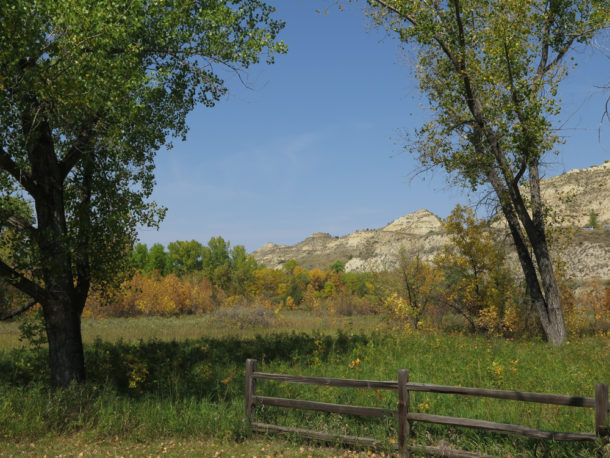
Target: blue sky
(315, 145)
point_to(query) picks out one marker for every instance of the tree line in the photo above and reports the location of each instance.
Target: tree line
(470, 286)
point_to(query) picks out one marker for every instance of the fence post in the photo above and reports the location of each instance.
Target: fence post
(404, 429)
(601, 413)
(250, 388)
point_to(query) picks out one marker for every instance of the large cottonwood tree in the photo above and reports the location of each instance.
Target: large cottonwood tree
(491, 72)
(89, 91)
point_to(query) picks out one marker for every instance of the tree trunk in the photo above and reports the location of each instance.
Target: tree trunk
(557, 331)
(66, 356)
(541, 283)
(61, 304)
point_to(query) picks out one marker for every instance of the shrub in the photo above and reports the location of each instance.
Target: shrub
(153, 295)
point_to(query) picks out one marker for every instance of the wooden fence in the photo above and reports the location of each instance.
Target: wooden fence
(406, 417)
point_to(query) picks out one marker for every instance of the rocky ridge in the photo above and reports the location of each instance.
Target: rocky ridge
(572, 195)
(575, 194)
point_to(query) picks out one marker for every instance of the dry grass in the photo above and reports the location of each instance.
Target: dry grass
(197, 326)
(79, 445)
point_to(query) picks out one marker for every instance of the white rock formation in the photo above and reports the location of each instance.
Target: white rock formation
(572, 195)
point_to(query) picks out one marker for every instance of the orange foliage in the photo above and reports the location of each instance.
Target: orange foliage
(145, 295)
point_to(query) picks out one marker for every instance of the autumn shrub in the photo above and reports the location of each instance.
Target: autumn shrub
(312, 299)
(265, 283)
(588, 313)
(232, 301)
(349, 304)
(477, 282)
(318, 278)
(595, 303)
(154, 295)
(416, 286)
(400, 310)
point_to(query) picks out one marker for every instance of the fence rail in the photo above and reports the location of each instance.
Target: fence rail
(405, 417)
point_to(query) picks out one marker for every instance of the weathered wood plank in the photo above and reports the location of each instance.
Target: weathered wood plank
(250, 387)
(324, 407)
(404, 428)
(544, 398)
(309, 434)
(324, 381)
(504, 428)
(601, 410)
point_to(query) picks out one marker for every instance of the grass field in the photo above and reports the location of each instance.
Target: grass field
(198, 326)
(175, 387)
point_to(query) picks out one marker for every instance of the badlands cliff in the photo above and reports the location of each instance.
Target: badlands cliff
(420, 233)
(572, 195)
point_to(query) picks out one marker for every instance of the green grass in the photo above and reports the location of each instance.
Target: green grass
(191, 390)
(461, 361)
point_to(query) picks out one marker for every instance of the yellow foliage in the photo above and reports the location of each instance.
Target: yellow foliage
(265, 281)
(591, 313)
(136, 371)
(355, 363)
(233, 300)
(311, 299)
(400, 310)
(317, 278)
(478, 282)
(290, 304)
(158, 296)
(488, 319)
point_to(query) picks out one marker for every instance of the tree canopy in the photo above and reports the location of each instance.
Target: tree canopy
(89, 91)
(491, 74)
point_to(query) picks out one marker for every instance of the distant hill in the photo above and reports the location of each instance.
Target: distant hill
(572, 195)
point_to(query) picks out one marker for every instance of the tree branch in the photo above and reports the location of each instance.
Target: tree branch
(23, 225)
(537, 211)
(461, 62)
(559, 55)
(511, 79)
(412, 20)
(19, 312)
(22, 283)
(76, 151)
(543, 65)
(544, 52)
(520, 173)
(82, 259)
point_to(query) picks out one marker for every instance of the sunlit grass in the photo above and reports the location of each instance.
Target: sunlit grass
(198, 326)
(462, 361)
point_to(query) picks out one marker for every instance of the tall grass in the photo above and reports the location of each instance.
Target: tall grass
(150, 389)
(462, 361)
